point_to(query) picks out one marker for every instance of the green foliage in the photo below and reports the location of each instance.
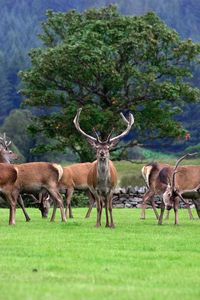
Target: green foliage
(108, 63)
(79, 199)
(16, 127)
(76, 261)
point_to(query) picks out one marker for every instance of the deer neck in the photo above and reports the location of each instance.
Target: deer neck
(4, 159)
(103, 171)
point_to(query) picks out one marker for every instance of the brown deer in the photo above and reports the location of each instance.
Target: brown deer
(150, 174)
(156, 185)
(7, 156)
(183, 181)
(102, 177)
(74, 177)
(41, 200)
(30, 177)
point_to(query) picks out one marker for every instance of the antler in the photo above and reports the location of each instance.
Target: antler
(4, 142)
(76, 123)
(96, 133)
(129, 123)
(176, 166)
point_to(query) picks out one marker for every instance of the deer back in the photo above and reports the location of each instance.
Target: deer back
(150, 174)
(75, 176)
(37, 174)
(187, 177)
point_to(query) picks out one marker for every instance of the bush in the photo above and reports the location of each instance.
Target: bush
(80, 199)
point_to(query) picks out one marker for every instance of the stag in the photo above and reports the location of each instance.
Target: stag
(7, 156)
(156, 181)
(183, 181)
(102, 177)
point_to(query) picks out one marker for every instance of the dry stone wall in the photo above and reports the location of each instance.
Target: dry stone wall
(131, 197)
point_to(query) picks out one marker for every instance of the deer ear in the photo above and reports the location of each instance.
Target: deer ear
(112, 144)
(92, 143)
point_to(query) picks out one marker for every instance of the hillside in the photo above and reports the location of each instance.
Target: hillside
(20, 25)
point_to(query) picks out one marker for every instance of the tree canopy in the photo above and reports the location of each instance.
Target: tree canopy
(108, 63)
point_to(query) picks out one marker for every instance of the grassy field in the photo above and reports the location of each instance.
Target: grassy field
(137, 260)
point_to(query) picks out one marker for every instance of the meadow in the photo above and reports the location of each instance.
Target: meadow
(74, 260)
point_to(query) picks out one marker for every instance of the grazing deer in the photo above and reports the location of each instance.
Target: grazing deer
(102, 177)
(183, 181)
(29, 177)
(41, 200)
(6, 156)
(74, 177)
(156, 185)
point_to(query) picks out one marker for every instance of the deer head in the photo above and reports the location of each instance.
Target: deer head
(44, 205)
(171, 191)
(103, 147)
(6, 155)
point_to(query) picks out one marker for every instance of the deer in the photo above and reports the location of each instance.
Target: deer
(41, 200)
(102, 177)
(6, 156)
(74, 177)
(150, 173)
(183, 182)
(156, 185)
(29, 177)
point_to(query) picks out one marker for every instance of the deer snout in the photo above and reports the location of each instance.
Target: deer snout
(168, 207)
(101, 153)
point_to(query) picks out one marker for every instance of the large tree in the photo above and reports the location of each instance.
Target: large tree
(108, 63)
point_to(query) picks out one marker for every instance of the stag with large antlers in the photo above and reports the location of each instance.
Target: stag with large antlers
(180, 180)
(102, 177)
(156, 181)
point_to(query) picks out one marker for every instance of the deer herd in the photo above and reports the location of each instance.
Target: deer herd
(45, 182)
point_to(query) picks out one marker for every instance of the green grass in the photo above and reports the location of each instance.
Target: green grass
(137, 260)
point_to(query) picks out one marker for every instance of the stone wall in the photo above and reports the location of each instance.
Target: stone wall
(131, 197)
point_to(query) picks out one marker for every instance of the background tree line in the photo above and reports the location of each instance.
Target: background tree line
(20, 24)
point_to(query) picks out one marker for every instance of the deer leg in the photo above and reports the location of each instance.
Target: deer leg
(176, 203)
(112, 225)
(191, 217)
(91, 203)
(59, 201)
(69, 194)
(143, 208)
(162, 209)
(176, 215)
(13, 201)
(98, 202)
(54, 212)
(197, 206)
(167, 215)
(106, 211)
(70, 212)
(147, 196)
(101, 208)
(154, 208)
(21, 204)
